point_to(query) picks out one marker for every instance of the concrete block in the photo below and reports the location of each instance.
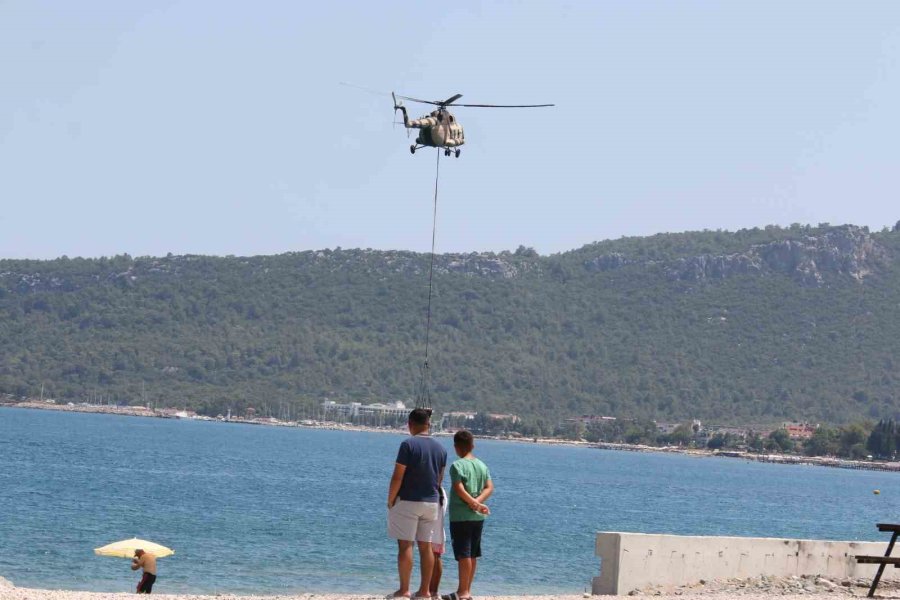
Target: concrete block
(631, 561)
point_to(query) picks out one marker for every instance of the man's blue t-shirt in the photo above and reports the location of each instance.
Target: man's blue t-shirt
(423, 457)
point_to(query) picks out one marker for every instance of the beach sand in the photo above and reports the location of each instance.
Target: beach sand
(30, 594)
(16, 593)
(760, 588)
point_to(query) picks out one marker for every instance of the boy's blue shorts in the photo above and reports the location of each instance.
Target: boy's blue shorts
(466, 538)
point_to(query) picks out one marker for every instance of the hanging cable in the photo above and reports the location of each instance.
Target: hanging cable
(424, 397)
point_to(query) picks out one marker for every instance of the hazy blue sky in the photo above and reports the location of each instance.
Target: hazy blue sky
(220, 127)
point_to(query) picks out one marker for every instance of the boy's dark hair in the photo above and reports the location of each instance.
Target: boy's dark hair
(464, 440)
(420, 416)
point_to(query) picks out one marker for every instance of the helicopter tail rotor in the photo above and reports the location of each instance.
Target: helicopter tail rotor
(398, 105)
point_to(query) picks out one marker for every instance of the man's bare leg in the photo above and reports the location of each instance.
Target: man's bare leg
(436, 574)
(466, 571)
(426, 563)
(404, 566)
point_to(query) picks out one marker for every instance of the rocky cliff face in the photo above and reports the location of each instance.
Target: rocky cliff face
(607, 262)
(847, 250)
(27, 277)
(476, 264)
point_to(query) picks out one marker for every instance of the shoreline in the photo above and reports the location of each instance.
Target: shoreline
(796, 588)
(8, 591)
(787, 459)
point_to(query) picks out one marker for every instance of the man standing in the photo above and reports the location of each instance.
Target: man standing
(413, 502)
(147, 562)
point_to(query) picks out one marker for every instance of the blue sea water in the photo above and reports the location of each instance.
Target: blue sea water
(278, 510)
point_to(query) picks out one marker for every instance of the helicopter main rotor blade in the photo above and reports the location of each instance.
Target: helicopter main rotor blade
(451, 99)
(363, 88)
(503, 105)
(421, 101)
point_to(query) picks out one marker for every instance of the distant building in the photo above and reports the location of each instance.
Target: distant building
(588, 419)
(466, 416)
(174, 412)
(736, 432)
(667, 428)
(356, 409)
(503, 417)
(799, 431)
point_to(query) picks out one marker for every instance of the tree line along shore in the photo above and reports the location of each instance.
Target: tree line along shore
(771, 451)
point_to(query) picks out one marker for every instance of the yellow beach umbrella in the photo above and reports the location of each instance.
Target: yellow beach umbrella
(126, 548)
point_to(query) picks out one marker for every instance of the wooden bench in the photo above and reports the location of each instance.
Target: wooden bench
(882, 561)
(878, 560)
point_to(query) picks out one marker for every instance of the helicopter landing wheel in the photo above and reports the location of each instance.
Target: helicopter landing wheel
(446, 152)
(457, 152)
(412, 149)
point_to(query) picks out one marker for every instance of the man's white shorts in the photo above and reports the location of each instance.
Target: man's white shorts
(415, 522)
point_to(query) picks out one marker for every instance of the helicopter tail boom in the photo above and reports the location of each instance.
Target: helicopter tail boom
(399, 106)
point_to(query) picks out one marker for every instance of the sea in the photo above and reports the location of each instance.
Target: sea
(276, 510)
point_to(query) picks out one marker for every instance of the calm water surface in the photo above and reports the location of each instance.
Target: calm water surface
(276, 510)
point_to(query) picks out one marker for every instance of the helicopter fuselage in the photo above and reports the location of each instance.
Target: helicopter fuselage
(439, 129)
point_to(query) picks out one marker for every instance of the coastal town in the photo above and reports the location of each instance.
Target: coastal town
(693, 438)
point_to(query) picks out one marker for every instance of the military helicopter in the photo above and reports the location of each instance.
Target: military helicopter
(440, 129)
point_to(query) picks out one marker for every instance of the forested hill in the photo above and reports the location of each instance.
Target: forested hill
(746, 327)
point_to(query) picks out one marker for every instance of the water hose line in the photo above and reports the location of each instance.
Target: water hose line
(424, 397)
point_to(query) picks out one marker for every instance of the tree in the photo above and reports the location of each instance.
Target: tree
(756, 443)
(717, 441)
(606, 431)
(640, 432)
(853, 436)
(882, 441)
(526, 251)
(782, 440)
(576, 430)
(824, 442)
(682, 436)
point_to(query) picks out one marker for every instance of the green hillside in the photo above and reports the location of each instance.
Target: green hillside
(746, 327)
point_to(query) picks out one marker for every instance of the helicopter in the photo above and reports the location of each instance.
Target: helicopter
(440, 129)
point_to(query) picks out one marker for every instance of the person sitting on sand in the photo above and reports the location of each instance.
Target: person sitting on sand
(147, 562)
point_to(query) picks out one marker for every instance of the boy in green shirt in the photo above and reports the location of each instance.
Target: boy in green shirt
(472, 486)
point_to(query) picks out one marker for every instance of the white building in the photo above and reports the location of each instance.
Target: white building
(356, 409)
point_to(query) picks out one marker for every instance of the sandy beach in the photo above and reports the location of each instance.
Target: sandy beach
(29, 594)
(10, 592)
(808, 587)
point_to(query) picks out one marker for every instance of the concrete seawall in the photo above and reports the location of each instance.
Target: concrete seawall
(630, 561)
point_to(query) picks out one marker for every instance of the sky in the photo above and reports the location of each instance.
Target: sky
(221, 128)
